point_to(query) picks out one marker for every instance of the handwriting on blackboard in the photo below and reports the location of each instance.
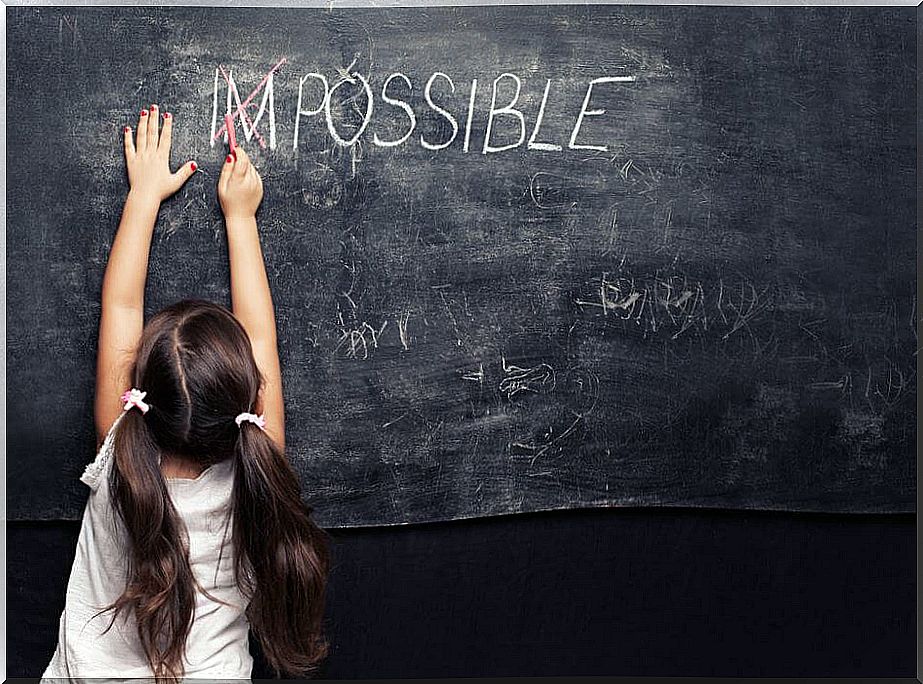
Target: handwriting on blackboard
(391, 95)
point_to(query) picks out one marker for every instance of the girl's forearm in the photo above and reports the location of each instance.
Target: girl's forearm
(240, 191)
(251, 299)
(122, 318)
(126, 270)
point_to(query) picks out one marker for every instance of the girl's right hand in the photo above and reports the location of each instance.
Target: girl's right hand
(240, 188)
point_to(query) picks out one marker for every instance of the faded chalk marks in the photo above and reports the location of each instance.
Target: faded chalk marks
(674, 304)
(538, 378)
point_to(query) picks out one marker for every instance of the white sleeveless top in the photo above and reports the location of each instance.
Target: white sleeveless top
(217, 643)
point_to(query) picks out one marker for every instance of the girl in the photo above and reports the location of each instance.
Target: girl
(195, 530)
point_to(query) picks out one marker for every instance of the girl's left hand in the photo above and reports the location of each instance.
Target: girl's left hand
(148, 158)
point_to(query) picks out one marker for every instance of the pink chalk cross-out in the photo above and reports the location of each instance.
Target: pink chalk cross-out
(242, 106)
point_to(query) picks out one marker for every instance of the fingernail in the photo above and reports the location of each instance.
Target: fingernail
(229, 159)
(143, 112)
(166, 115)
(153, 106)
(127, 128)
(193, 165)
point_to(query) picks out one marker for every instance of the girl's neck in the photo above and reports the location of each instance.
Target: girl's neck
(175, 466)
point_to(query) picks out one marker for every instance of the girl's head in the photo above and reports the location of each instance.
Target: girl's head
(196, 365)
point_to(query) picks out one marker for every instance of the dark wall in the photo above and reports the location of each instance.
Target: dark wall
(717, 309)
(596, 592)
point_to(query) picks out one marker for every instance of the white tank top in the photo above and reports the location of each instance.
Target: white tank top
(217, 643)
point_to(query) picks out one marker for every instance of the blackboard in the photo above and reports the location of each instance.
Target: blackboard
(692, 285)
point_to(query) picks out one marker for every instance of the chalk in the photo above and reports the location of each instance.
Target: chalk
(229, 125)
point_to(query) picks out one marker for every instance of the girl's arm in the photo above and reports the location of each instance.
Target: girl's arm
(240, 191)
(150, 180)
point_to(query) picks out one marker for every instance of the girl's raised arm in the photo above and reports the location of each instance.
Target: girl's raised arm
(240, 191)
(148, 161)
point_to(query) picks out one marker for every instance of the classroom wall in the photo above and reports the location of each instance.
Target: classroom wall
(628, 592)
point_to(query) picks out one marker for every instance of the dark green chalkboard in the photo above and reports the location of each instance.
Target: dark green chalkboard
(705, 296)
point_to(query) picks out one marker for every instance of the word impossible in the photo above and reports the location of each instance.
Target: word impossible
(390, 95)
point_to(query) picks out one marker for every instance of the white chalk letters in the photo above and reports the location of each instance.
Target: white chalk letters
(316, 95)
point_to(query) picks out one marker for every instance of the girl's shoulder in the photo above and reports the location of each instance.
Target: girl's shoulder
(95, 472)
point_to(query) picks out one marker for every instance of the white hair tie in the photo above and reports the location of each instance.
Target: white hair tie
(135, 397)
(259, 421)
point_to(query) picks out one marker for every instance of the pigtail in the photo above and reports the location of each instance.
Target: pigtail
(159, 584)
(282, 556)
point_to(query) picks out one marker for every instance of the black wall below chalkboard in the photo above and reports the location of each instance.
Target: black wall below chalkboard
(596, 592)
(716, 309)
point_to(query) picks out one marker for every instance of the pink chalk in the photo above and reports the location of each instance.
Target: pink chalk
(229, 125)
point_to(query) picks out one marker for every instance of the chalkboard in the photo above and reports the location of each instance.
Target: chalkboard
(563, 256)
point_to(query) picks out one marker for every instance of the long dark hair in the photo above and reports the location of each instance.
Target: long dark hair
(196, 364)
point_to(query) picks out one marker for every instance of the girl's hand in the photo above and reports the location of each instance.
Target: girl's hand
(148, 158)
(240, 188)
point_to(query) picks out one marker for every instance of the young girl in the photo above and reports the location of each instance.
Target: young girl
(195, 530)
